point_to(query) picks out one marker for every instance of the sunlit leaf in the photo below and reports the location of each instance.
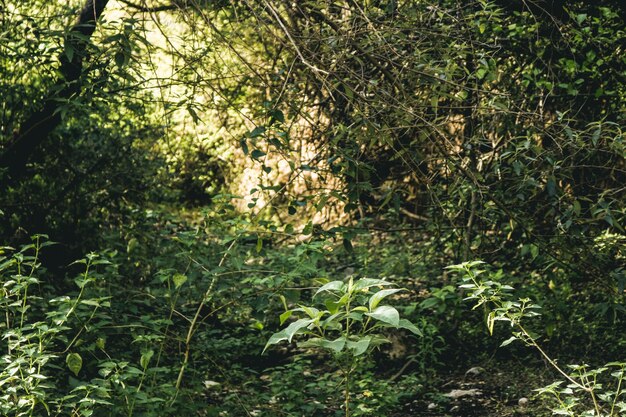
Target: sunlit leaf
(378, 297)
(386, 314)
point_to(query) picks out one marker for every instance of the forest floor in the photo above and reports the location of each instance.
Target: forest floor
(490, 389)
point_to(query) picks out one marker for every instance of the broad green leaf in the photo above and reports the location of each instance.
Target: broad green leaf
(406, 324)
(336, 345)
(312, 312)
(332, 306)
(386, 314)
(74, 363)
(356, 316)
(429, 302)
(360, 346)
(377, 298)
(294, 327)
(275, 339)
(331, 286)
(179, 280)
(257, 154)
(365, 283)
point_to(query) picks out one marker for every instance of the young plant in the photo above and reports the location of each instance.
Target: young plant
(348, 325)
(36, 335)
(607, 400)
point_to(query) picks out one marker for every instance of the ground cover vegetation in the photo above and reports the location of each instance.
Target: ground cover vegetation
(312, 208)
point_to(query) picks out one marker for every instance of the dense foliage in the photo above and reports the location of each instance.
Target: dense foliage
(188, 187)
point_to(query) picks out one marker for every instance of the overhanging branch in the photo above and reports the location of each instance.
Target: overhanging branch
(150, 9)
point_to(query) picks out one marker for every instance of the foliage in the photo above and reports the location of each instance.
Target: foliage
(597, 399)
(352, 313)
(219, 161)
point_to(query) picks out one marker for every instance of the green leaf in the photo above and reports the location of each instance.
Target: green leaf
(312, 312)
(275, 339)
(377, 298)
(336, 345)
(257, 131)
(288, 333)
(74, 363)
(331, 286)
(69, 52)
(145, 358)
(406, 324)
(294, 327)
(360, 346)
(120, 59)
(347, 245)
(285, 316)
(508, 341)
(386, 314)
(193, 114)
(277, 116)
(179, 280)
(365, 283)
(257, 154)
(534, 251)
(355, 316)
(491, 319)
(244, 146)
(332, 306)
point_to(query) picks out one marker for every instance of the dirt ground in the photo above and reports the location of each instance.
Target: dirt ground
(502, 389)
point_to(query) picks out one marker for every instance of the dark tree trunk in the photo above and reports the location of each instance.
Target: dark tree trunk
(36, 128)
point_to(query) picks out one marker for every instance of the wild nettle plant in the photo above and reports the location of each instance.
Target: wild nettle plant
(349, 325)
(584, 391)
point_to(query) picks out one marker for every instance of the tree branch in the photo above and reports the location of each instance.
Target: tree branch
(153, 9)
(38, 126)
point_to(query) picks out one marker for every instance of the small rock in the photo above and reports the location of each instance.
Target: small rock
(459, 393)
(473, 372)
(432, 406)
(522, 402)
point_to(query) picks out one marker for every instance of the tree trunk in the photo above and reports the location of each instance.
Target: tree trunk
(36, 128)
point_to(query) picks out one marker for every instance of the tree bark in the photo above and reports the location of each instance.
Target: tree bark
(38, 126)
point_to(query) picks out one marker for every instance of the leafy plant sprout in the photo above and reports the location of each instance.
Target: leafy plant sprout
(349, 326)
(496, 298)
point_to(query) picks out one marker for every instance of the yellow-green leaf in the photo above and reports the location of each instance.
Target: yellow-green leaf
(179, 279)
(74, 363)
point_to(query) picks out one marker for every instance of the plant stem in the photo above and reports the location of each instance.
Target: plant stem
(617, 391)
(347, 391)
